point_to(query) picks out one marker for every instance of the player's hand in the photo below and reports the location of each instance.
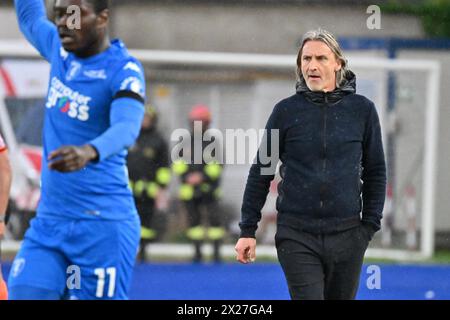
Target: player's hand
(246, 250)
(194, 178)
(71, 158)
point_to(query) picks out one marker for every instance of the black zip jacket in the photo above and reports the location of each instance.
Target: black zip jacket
(333, 166)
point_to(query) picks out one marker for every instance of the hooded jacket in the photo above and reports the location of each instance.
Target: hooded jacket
(333, 167)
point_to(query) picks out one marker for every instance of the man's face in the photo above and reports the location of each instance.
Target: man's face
(91, 26)
(319, 66)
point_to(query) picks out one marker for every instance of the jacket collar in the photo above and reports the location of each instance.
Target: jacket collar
(347, 87)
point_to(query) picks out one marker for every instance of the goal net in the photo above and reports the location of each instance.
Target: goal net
(241, 90)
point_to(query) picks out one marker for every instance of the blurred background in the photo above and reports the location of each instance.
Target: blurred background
(237, 58)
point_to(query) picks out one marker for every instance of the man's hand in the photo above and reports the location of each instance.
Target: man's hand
(71, 158)
(246, 250)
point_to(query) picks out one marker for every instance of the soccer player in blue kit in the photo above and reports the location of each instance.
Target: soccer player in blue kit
(83, 242)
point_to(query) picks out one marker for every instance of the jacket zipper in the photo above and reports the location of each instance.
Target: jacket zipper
(324, 165)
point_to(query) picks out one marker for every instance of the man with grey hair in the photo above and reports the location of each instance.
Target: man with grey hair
(331, 196)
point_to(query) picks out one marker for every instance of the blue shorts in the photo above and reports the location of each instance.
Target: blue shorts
(78, 259)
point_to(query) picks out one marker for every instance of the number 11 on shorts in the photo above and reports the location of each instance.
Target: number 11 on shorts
(101, 274)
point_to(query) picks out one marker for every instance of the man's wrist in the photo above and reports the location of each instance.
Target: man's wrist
(369, 224)
(92, 152)
(248, 233)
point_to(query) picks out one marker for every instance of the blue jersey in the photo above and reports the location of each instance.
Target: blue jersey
(96, 100)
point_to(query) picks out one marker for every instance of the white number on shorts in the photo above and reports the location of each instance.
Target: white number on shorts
(101, 274)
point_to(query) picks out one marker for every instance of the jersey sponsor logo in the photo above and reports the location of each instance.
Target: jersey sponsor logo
(133, 84)
(95, 74)
(68, 101)
(132, 66)
(17, 267)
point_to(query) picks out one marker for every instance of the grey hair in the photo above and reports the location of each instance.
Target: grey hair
(329, 39)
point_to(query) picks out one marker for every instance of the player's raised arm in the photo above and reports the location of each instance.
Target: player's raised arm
(33, 23)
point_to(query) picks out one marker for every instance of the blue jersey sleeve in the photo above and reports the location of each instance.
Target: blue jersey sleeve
(126, 117)
(129, 81)
(127, 110)
(33, 23)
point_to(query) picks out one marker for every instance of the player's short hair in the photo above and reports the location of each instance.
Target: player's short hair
(99, 5)
(329, 39)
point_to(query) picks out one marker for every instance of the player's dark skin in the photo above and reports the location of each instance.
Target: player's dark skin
(90, 39)
(71, 158)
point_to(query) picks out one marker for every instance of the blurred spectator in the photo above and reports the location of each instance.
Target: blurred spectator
(200, 188)
(148, 165)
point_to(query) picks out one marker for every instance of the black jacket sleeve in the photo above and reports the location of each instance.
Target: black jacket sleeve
(374, 172)
(261, 174)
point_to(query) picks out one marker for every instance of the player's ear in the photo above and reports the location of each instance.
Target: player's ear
(103, 18)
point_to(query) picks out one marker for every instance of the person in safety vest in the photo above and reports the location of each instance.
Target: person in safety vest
(149, 172)
(200, 186)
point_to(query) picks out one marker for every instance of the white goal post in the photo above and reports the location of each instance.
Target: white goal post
(286, 63)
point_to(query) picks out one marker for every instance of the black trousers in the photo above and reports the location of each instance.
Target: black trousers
(201, 212)
(195, 209)
(324, 265)
(146, 211)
